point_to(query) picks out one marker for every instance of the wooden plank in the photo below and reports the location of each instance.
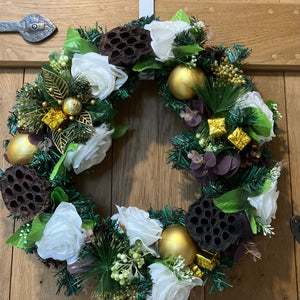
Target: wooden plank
(272, 31)
(292, 85)
(14, 51)
(10, 80)
(274, 276)
(141, 176)
(30, 279)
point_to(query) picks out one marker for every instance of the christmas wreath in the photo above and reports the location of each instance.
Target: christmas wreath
(64, 123)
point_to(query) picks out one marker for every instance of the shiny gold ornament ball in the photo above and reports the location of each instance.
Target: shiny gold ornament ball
(72, 106)
(175, 240)
(20, 150)
(183, 79)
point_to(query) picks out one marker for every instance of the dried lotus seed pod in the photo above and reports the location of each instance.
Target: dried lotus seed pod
(124, 46)
(211, 228)
(25, 193)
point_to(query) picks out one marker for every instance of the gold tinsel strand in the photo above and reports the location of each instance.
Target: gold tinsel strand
(227, 72)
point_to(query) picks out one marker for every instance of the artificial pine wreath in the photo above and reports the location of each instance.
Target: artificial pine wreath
(64, 121)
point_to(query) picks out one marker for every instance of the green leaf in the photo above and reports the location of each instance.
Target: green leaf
(266, 186)
(181, 16)
(101, 112)
(233, 201)
(38, 225)
(20, 237)
(88, 224)
(262, 126)
(59, 168)
(250, 215)
(57, 196)
(186, 50)
(148, 62)
(120, 130)
(76, 44)
(253, 135)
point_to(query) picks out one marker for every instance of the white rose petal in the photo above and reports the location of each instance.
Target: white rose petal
(163, 35)
(166, 285)
(254, 99)
(266, 203)
(63, 235)
(103, 77)
(92, 153)
(139, 226)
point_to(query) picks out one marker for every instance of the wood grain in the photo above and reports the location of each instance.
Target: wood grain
(30, 279)
(141, 177)
(292, 85)
(272, 31)
(274, 276)
(11, 80)
(14, 51)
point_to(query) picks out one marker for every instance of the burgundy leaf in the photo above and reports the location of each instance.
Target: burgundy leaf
(210, 159)
(223, 164)
(80, 266)
(6, 157)
(35, 139)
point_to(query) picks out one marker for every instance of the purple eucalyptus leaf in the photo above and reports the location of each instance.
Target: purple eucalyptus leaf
(236, 161)
(6, 157)
(231, 173)
(247, 234)
(239, 252)
(210, 159)
(235, 164)
(80, 266)
(194, 121)
(196, 105)
(36, 138)
(223, 164)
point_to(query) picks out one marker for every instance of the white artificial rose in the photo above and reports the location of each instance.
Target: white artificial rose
(254, 99)
(92, 153)
(166, 285)
(266, 203)
(103, 77)
(139, 226)
(163, 35)
(63, 235)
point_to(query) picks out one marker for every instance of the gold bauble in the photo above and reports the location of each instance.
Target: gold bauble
(175, 240)
(183, 79)
(72, 106)
(20, 150)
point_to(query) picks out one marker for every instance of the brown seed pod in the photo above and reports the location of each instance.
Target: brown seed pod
(25, 193)
(212, 229)
(125, 45)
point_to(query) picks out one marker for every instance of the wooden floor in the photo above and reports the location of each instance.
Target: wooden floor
(135, 171)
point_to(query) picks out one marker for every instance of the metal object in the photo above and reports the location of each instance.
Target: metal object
(295, 227)
(33, 28)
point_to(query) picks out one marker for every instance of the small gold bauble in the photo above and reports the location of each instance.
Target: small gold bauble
(72, 106)
(60, 102)
(93, 102)
(175, 240)
(44, 104)
(183, 79)
(20, 150)
(71, 118)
